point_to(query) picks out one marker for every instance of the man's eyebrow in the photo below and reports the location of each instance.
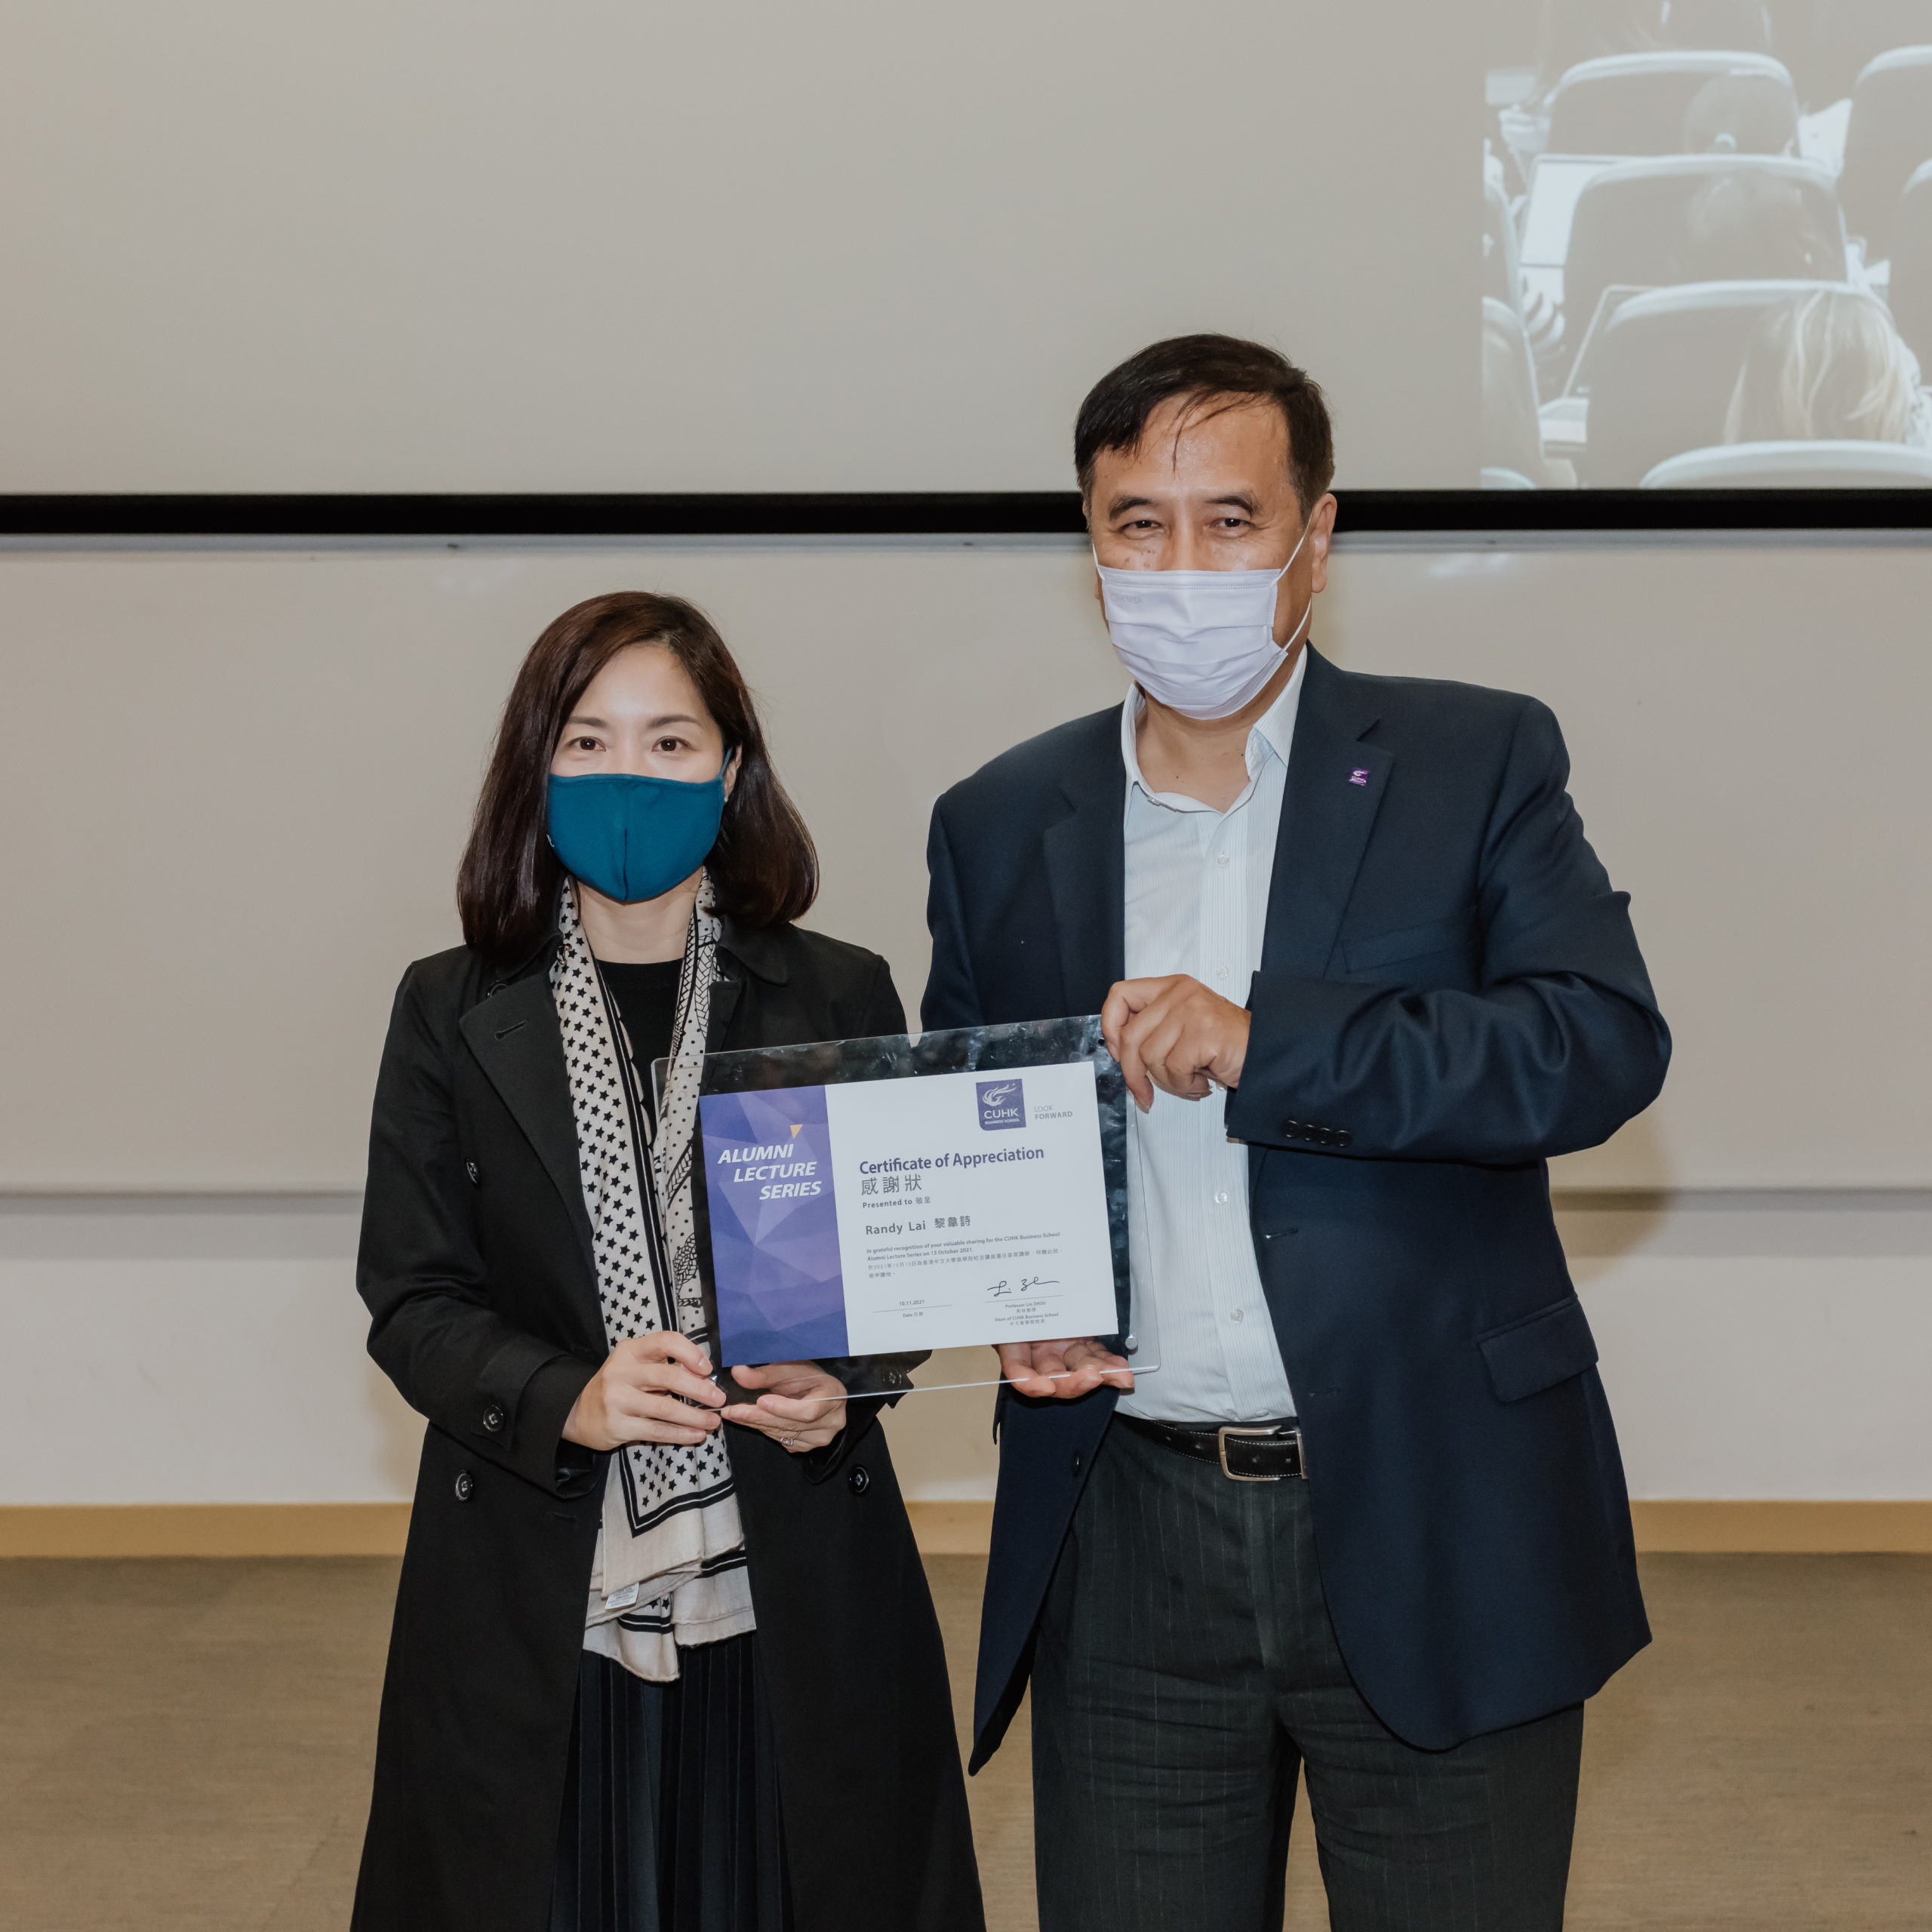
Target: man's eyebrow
(1117, 504)
(1239, 500)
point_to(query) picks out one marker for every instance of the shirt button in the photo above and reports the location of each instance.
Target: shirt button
(1236, 1316)
(1220, 1197)
(1220, 858)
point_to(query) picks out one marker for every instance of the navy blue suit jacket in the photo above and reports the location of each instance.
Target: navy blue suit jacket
(1450, 993)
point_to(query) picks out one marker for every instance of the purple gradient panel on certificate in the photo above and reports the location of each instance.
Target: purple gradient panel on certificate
(774, 1227)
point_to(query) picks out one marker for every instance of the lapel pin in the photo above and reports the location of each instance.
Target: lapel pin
(1358, 776)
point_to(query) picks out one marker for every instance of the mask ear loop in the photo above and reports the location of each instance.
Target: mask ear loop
(1308, 609)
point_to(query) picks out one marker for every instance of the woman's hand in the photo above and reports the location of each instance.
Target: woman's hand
(644, 1392)
(803, 1407)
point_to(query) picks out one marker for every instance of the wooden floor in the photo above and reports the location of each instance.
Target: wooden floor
(186, 1745)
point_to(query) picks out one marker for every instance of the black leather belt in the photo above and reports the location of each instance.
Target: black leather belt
(1259, 1452)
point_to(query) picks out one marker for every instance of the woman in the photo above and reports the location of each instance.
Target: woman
(664, 1654)
(1828, 364)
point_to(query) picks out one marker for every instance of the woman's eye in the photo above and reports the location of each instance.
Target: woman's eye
(670, 744)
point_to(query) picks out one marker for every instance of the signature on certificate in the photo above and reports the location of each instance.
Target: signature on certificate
(1028, 1285)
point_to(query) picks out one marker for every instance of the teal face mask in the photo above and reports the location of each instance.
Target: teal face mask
(631, 837)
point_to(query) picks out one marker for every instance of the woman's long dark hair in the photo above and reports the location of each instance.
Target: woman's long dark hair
(763, 868)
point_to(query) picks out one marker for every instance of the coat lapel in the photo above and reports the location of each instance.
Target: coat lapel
(724, 1003)
(1086, 854)
(1334, 789)
(518, 1044)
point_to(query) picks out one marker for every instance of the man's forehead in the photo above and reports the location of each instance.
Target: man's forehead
(1197, 441)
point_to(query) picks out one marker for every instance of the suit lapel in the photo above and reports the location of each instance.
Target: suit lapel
(518, 1044)
(1086, 854)
(1333, 790)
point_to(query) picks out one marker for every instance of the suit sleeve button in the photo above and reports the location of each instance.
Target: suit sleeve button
(493, 1419)
(466, 1486)
(860, 1480)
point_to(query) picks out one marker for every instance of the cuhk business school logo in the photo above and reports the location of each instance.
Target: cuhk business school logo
(1002, 1103)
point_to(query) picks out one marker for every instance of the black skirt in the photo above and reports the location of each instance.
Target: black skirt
(670, 1819)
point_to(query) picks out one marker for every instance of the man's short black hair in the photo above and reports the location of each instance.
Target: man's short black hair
(1221, 368)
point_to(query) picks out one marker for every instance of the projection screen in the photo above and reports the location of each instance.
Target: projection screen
(421, 246)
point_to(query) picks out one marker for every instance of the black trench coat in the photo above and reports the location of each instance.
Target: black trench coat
(476, 1265)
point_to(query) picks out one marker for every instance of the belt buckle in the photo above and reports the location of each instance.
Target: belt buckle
(1228, 1430)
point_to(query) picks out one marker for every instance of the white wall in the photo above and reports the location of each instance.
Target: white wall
(1754, 1345)
(235, 785)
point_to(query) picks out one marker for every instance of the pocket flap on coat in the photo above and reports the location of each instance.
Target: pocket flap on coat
(1539, 1351)
(1360, 955)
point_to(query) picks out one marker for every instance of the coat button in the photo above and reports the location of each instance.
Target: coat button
(860, 1480)
(470, 1168)
(466, 1486)
(1079, 1462)
(493, 1419)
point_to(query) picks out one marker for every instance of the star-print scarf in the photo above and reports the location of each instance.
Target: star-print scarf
(670, 1565)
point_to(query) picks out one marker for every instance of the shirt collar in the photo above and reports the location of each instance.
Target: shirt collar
(1272, 732)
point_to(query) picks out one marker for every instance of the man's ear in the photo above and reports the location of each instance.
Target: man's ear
(1321, 534)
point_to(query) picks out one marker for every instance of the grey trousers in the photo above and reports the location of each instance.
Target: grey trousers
(1186, 1670)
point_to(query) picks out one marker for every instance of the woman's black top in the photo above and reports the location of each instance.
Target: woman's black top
(647, 997)
(671, 1803)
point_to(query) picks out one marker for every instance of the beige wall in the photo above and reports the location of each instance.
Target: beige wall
(418, 245)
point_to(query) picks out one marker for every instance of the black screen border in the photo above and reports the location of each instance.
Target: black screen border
(919, 513)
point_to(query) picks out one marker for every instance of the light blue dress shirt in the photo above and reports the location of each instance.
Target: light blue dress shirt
(1197, 903)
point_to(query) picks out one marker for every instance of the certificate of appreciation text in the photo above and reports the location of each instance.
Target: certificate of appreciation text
(939, 1211)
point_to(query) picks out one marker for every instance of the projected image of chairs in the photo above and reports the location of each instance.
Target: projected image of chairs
(1666, 183)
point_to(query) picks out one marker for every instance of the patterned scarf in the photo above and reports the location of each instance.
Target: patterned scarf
(670, 1565)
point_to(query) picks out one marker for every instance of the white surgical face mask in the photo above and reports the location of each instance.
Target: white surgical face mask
(1200, 642)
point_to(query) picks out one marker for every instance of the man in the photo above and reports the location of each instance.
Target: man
(1363, 976)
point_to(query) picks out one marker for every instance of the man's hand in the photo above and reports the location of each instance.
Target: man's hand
(651, 1389)
(1074, 1367)
(803, 1407)
(1175, 1034)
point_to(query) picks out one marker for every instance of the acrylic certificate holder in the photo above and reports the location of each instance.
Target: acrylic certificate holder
(790, 1310)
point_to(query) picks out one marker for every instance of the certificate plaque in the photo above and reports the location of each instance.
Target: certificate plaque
(888, 1197)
